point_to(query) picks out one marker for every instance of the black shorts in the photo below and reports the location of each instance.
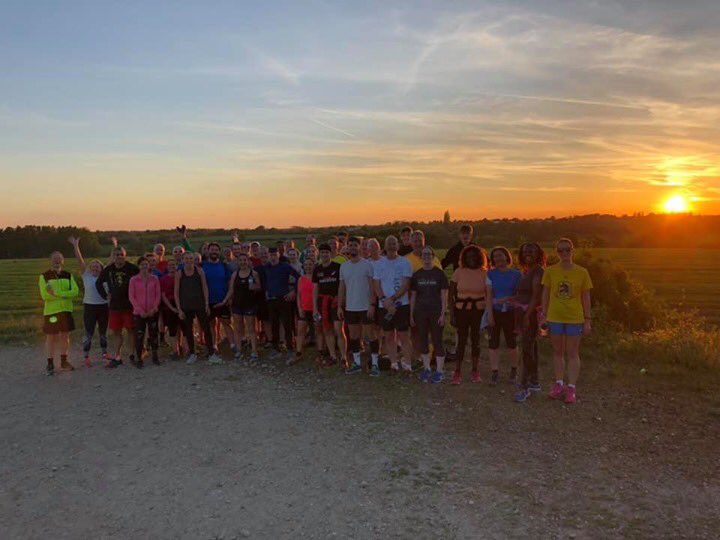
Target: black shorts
(262, 309)
(58, 323)
(220, 312)
(505, 323)
(399, 322)
(307, 316)
(356, 317)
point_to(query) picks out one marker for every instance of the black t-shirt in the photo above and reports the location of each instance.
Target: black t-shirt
(404, 250)
(428, 284)
(327, 278)
(525, 285)
(118, 282)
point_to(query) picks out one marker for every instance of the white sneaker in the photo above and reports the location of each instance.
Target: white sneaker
(215, 360)
(191, 359)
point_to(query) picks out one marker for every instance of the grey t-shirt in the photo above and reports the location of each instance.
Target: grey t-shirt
(428, 284)
(356, 276)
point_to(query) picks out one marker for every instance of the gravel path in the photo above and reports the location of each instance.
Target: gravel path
(180, 451)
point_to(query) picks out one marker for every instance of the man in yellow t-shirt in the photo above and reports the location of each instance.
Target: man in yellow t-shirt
(417, 241)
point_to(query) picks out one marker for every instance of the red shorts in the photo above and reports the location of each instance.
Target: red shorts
(120, 319)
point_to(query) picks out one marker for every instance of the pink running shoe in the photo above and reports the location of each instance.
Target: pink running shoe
(456, 378)
(88, 362)
(570, 395)
(475, 377)
(557, 391)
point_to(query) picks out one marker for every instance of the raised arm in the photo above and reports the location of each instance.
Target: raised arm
(75, 242)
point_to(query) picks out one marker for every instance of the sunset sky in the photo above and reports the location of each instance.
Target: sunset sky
(147, 114)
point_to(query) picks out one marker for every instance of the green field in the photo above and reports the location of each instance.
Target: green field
(684, 277)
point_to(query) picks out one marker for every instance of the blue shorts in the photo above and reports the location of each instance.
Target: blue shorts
(566, 329)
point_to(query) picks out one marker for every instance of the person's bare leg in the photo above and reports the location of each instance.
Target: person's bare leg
(50, 345)
(494, 355)
(330, 342)
(250, 325)
(341, 342)
(514, 357)
(558, 343)
(63, 343)
(229, 331)
(407, 350)
(301, 334)
(572, 351)
(131, 339)
(391, 348)
(118, 340)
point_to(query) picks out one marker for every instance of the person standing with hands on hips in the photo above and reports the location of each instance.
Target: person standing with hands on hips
(566, 305)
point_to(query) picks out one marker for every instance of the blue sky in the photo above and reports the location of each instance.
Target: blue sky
(281, 113)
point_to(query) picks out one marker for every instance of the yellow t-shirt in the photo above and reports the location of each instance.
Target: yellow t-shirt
(416, 262)
(566, 287)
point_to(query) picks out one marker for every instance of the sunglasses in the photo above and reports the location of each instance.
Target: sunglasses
(564, 250)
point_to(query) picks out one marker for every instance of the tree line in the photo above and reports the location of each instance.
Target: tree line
(595, 230)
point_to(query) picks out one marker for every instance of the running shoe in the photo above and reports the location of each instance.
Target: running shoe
(456, 378)
(374, 371)
(50, 369)
(113, 363)
(437, 377)
(330, 362)
(355, 368)
(425, 375)
(215, 360)
(522, 395)
(237, 356)
(494, 378)
(254, 359)
(570, 396)
(139, 364)
(557, 391)
(292, 359)
(155, 359)
(191, 359)
(88, 362)
(513, 376)
(475, 377)
(174, 357)
(534, 387)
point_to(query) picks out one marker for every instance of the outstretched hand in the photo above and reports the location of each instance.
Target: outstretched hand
(182, 229)
(74, 240)
(114, 241)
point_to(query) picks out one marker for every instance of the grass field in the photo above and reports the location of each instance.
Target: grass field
(684, 277)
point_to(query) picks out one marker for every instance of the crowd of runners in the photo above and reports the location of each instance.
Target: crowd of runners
(347, 298)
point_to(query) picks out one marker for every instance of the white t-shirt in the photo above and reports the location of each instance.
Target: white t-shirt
(91, 296)
(391, 273)
(356, 276)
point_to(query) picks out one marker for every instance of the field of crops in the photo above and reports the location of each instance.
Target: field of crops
(687, 278)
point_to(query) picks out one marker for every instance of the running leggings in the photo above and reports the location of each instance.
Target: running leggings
(187, 324)
(529, 344)
(95, 315)
(143, 325)
(468, 324)
(426, 326)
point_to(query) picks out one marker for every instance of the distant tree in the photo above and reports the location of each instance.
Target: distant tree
(446, 217)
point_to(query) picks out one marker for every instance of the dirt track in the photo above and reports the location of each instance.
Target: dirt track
(182, 451)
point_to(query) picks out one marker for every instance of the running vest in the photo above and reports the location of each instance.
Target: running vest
(191, 293)
(243, 297)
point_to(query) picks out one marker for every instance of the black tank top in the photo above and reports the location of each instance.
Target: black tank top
(243, 297)
(191, 293)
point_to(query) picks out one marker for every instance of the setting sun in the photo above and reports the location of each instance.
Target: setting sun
(677, 204)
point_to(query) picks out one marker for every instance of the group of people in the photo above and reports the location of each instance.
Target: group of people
(343, 297)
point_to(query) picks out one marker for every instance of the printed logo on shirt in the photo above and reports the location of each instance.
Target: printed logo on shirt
(564, 290)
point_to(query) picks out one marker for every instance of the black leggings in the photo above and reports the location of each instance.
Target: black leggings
(187, 324)
(468, 324)
(505, 324)
(281, 311)
(529, 344)
(95, 315)
(149, 325)
(426, 324)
